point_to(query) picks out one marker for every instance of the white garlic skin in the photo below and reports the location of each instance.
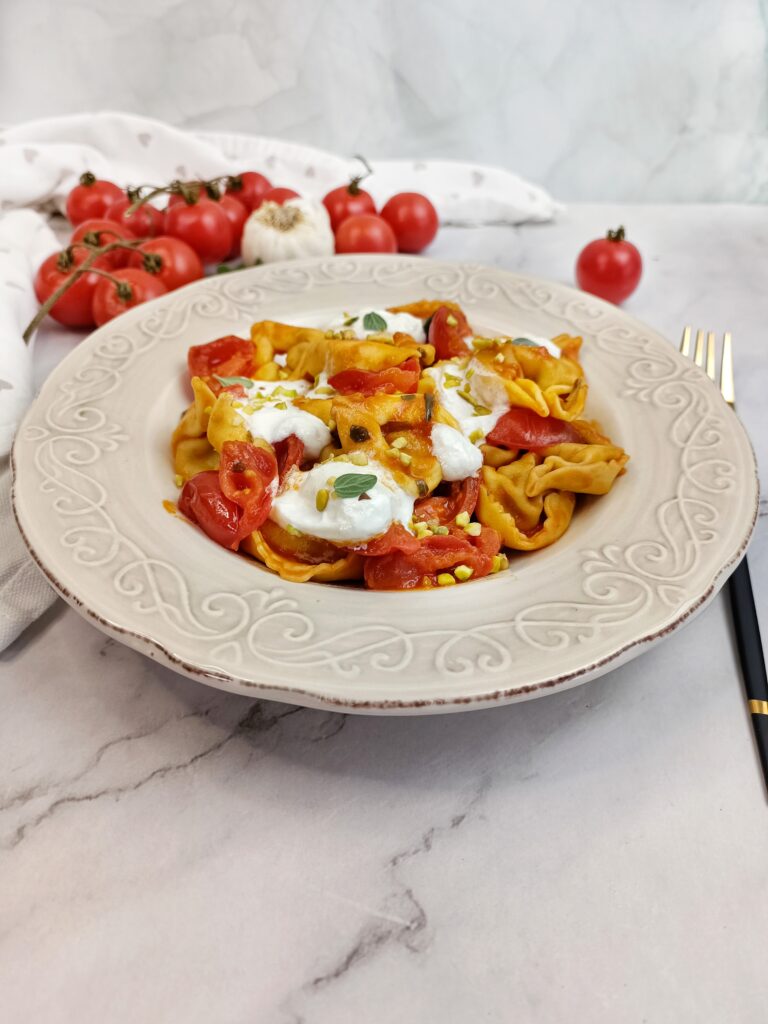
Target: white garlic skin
(297, 228)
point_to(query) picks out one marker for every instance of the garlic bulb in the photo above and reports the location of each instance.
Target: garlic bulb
(300, 227)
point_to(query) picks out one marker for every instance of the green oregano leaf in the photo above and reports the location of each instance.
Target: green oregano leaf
(352, 485)
(374, 322)
(351, 320)
(228, 382)
(526, 341)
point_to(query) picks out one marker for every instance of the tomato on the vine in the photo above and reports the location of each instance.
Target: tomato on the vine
(203, 225)
(130, 288)
(349, 200)
(97, 232)
(91, 198)
(169, 260)
(74, 307)
(365, 232)
(237, 215)
(146, 221)
(249, 188)
(279, 195)
(609, 267)
(413, 219)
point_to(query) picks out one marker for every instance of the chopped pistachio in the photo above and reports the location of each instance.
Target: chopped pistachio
(399, 442)
(358, 458)
(179, 480)
(462, 519)
(445, 580)
(292, 530)
(451, 320)
(405, 458)
(462, 572)
(321, 500)
(450, 381)
(440, 531)
(474, 529)
(476, 435)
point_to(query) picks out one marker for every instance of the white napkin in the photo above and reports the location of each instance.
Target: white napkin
(42, 160)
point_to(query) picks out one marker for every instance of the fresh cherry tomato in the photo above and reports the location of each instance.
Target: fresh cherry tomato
(145, 222)
(246, 474)
(132, 287)
(445, 508)
(91, 198)
(228, 357)
(413, 219)
(169, 260)
(279, 195)
(365, 232)
(74, 307)
(523, 428)
(348, 201)
(203, 501)
(237, 215)
(249, 188)
(405, 570)
(403, 379)
(610, 267)
(447, 331)
(96, 231)
(204, 225)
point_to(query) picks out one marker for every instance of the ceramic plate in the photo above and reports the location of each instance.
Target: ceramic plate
(92, 468)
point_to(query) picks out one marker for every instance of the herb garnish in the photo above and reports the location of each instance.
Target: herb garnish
(228, 382)
(374, 322)
(352, 485)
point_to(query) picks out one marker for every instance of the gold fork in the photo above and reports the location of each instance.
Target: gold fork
(743, 609)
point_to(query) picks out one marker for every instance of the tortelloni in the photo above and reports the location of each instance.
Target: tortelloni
(394, 447)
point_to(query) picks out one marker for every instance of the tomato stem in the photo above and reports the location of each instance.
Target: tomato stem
(85, 267)
(354, 183)
(617, 235)
(87, 179)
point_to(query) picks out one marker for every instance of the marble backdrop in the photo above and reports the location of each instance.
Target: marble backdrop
(614, 99)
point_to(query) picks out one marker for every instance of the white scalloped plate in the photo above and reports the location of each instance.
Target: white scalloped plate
(92, 468)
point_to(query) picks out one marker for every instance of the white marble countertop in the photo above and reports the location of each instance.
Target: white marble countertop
(172, 853)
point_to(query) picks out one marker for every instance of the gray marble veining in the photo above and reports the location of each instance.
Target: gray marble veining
(601, 101)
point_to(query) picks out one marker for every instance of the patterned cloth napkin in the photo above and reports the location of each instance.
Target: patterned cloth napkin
(42, 160)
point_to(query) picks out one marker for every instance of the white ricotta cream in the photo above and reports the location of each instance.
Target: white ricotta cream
(458, 457)
(393, 322)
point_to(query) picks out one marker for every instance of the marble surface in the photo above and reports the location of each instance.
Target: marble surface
(611, 100)
(168, 852)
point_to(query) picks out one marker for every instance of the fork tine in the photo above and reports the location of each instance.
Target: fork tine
(685, 342)
(711, 355)
(698, 355)
(726, 371)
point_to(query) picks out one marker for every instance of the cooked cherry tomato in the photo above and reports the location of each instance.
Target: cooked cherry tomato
(610, 267)
(365, 232)
(204, 225)
(97, 231)
(246, 475)
(74, 307)
(229, 356)
(203, 501)
(445, 508)
(237, 215)
(348, 201)
(447, 330)
(279, 195)
(397, 538)
(91, 198)
(403, 379)
(132, 287)
(523, 428)
(402, 570)
(289, 453)
(413, 219)
(249, 188)
(169, 260)
(145, 222)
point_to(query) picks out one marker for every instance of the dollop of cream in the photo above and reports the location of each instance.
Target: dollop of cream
(394, 322)
(482, 384)
(268, 412)
(458, 457)
(343, 520)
